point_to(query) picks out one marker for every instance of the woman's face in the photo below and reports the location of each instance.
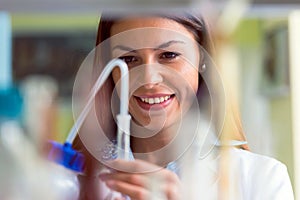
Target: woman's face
(163, 59)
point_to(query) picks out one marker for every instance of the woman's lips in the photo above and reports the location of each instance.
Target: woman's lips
(155, 101)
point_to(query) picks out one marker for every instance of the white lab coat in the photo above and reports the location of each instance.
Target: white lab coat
(261, 177)
(250, 177)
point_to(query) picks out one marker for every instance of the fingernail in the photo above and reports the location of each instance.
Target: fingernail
(110, 183)
(103, 176)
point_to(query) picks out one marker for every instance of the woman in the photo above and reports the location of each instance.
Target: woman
(170, 97)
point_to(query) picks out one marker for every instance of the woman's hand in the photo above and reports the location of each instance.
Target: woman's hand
(141, 180)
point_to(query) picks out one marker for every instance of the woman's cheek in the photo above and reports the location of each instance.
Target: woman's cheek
(190, 75)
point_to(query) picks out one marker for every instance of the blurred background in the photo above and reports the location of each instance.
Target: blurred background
(42, 45)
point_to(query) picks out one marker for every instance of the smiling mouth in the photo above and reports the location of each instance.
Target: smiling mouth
(151, 102)
(155, 100)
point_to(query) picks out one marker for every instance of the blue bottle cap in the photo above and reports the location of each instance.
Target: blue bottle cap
(11, 103)
(65, 155)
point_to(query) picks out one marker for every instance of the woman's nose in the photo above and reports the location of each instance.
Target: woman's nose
(151, 74)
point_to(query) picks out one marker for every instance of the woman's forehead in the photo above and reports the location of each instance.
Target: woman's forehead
(143, 21)
(149, 32)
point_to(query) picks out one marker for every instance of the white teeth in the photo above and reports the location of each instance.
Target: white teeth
(151, 101)
(155, 100)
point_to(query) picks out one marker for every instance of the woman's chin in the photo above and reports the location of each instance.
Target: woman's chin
(155, 124)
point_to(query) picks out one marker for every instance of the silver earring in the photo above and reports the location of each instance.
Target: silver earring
(202, 68)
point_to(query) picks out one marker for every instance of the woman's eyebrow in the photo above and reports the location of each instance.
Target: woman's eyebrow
(167, 44)
(161, 46)
(124, 48)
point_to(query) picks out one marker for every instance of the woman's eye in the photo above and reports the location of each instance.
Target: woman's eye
(169, 55)
(129, 59)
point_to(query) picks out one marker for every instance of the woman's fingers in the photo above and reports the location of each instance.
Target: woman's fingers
(142, 190)
(140, 179)
(139, 174)
(131, 190)
(172, 191)
(135, 179)
(136, 166)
